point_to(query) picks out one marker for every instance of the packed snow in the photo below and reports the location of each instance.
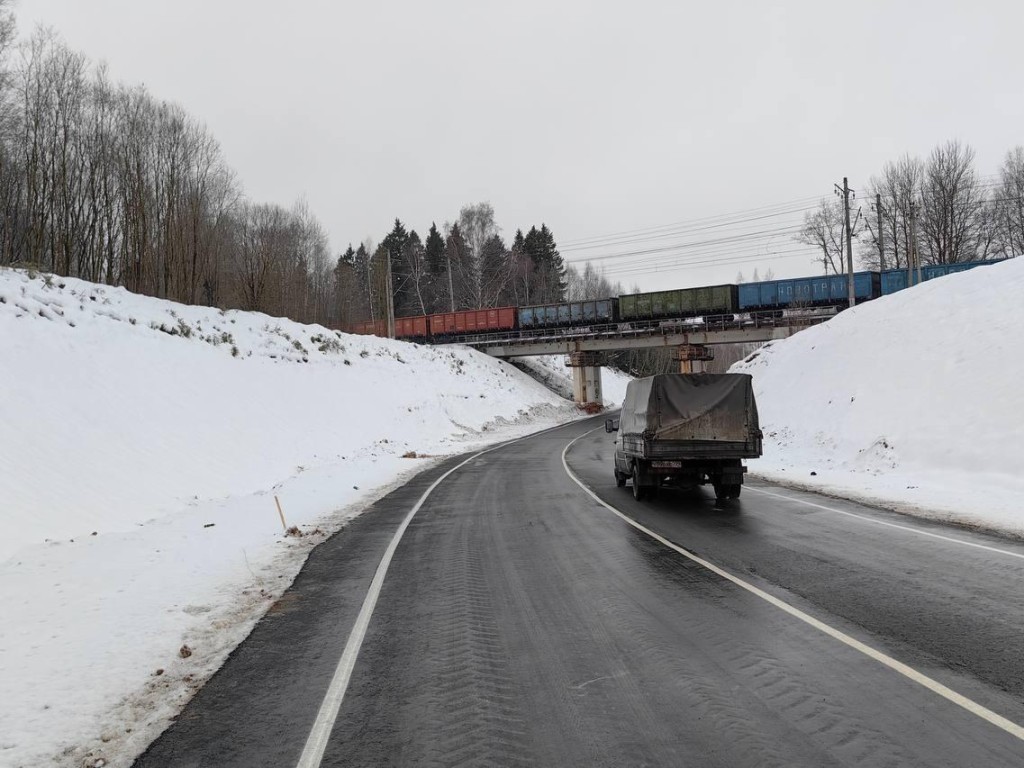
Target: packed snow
(914, 401)
(143, 446)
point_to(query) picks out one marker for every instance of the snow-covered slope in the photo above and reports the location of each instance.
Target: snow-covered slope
(552, 371)
(914, 401)
(142, 444)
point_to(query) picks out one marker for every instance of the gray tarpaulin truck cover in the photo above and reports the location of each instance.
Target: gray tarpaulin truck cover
(700, 406)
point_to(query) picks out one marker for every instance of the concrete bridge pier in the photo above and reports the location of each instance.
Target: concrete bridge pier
(586, 377)
(692, 357)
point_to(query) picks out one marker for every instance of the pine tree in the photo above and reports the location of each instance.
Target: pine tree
(556, 266)
(435, 251)
(495, 276)
(521, 268)
(347, 296)
(459, 268)
(548, 283)
(395, 244)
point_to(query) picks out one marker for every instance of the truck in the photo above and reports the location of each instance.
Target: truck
(684, 430)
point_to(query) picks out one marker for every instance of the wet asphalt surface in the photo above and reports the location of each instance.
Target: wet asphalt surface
(522, 623)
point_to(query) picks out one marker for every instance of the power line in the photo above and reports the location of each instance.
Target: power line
(735, 238)
(685, 231)
(740, 245)
(703, 220)
(717, 261)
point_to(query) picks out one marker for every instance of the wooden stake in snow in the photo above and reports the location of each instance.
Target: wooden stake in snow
(281, 513)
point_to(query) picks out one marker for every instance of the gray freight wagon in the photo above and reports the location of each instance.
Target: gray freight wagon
(685, 430)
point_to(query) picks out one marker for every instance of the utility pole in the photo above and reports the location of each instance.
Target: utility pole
(390, 303)
(881, 234)
(845, 191)
(911, 256)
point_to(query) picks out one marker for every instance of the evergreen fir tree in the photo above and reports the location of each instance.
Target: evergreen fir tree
(459, 261)
(435, 251)
(548, 282)
(494, 272)
(395, 244)
(555, 264)
(364, 278)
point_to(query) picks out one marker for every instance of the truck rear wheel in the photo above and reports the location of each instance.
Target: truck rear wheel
(724, 491)
(639, 491)
(620, 479)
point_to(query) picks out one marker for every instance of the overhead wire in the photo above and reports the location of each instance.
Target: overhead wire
(740, 245)
(738, 215)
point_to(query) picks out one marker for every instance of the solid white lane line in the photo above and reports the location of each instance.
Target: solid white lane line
(867, 519)
(316, 742)
(949, 694)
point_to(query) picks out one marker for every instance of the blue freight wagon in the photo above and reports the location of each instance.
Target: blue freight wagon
(569, 313)
(893, 280)
(806, 291)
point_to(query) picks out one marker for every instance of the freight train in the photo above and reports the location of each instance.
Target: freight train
(823, 293)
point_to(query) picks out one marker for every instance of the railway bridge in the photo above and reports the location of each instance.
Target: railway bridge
(692, 342)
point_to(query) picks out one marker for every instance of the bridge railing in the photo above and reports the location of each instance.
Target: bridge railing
(647, 328)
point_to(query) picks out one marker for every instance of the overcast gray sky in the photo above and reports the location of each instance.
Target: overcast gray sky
(594, 117)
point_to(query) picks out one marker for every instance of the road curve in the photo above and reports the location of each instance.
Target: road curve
(523, 623)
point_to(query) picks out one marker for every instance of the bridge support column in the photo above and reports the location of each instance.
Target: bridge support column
(586, 378)
(692, 357)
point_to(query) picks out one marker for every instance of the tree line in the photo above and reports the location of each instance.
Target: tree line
(104, 181)
(939, 204)
(465, 264)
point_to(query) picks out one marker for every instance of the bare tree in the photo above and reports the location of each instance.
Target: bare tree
(823, 229)
(589, 284)
(953, 207)
(417, 272)
(899, 187)
(1008, 206)
(477, 225)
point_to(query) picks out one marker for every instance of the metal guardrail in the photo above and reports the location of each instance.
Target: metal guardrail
(644, 329)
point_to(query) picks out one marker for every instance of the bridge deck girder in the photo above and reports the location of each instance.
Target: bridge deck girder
(562, 345)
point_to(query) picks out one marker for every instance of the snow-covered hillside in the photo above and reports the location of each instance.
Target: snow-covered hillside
(142, 444)
(914, 401)
(552, 371)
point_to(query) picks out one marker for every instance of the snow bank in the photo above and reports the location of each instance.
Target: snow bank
(143, 443)
(552, 371)
(914, 401)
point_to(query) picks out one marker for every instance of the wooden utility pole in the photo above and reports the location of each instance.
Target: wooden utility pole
(881, 234)
(845, 191)
(912, 253)
(390, 303)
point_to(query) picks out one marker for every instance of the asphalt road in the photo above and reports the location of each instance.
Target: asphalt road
(521, 622)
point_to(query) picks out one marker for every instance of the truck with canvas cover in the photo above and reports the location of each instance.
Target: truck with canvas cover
(685, 430)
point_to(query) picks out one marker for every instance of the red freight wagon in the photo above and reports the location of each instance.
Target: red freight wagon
(442, 324)
(411, 327)
(370, 328)
(504, 319)
(472, 321)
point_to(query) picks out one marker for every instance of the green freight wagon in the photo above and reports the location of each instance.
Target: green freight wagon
(682, 302)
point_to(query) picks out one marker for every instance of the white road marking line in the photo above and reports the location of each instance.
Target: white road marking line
(890, 525)
(949, 694)
(316, 742)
